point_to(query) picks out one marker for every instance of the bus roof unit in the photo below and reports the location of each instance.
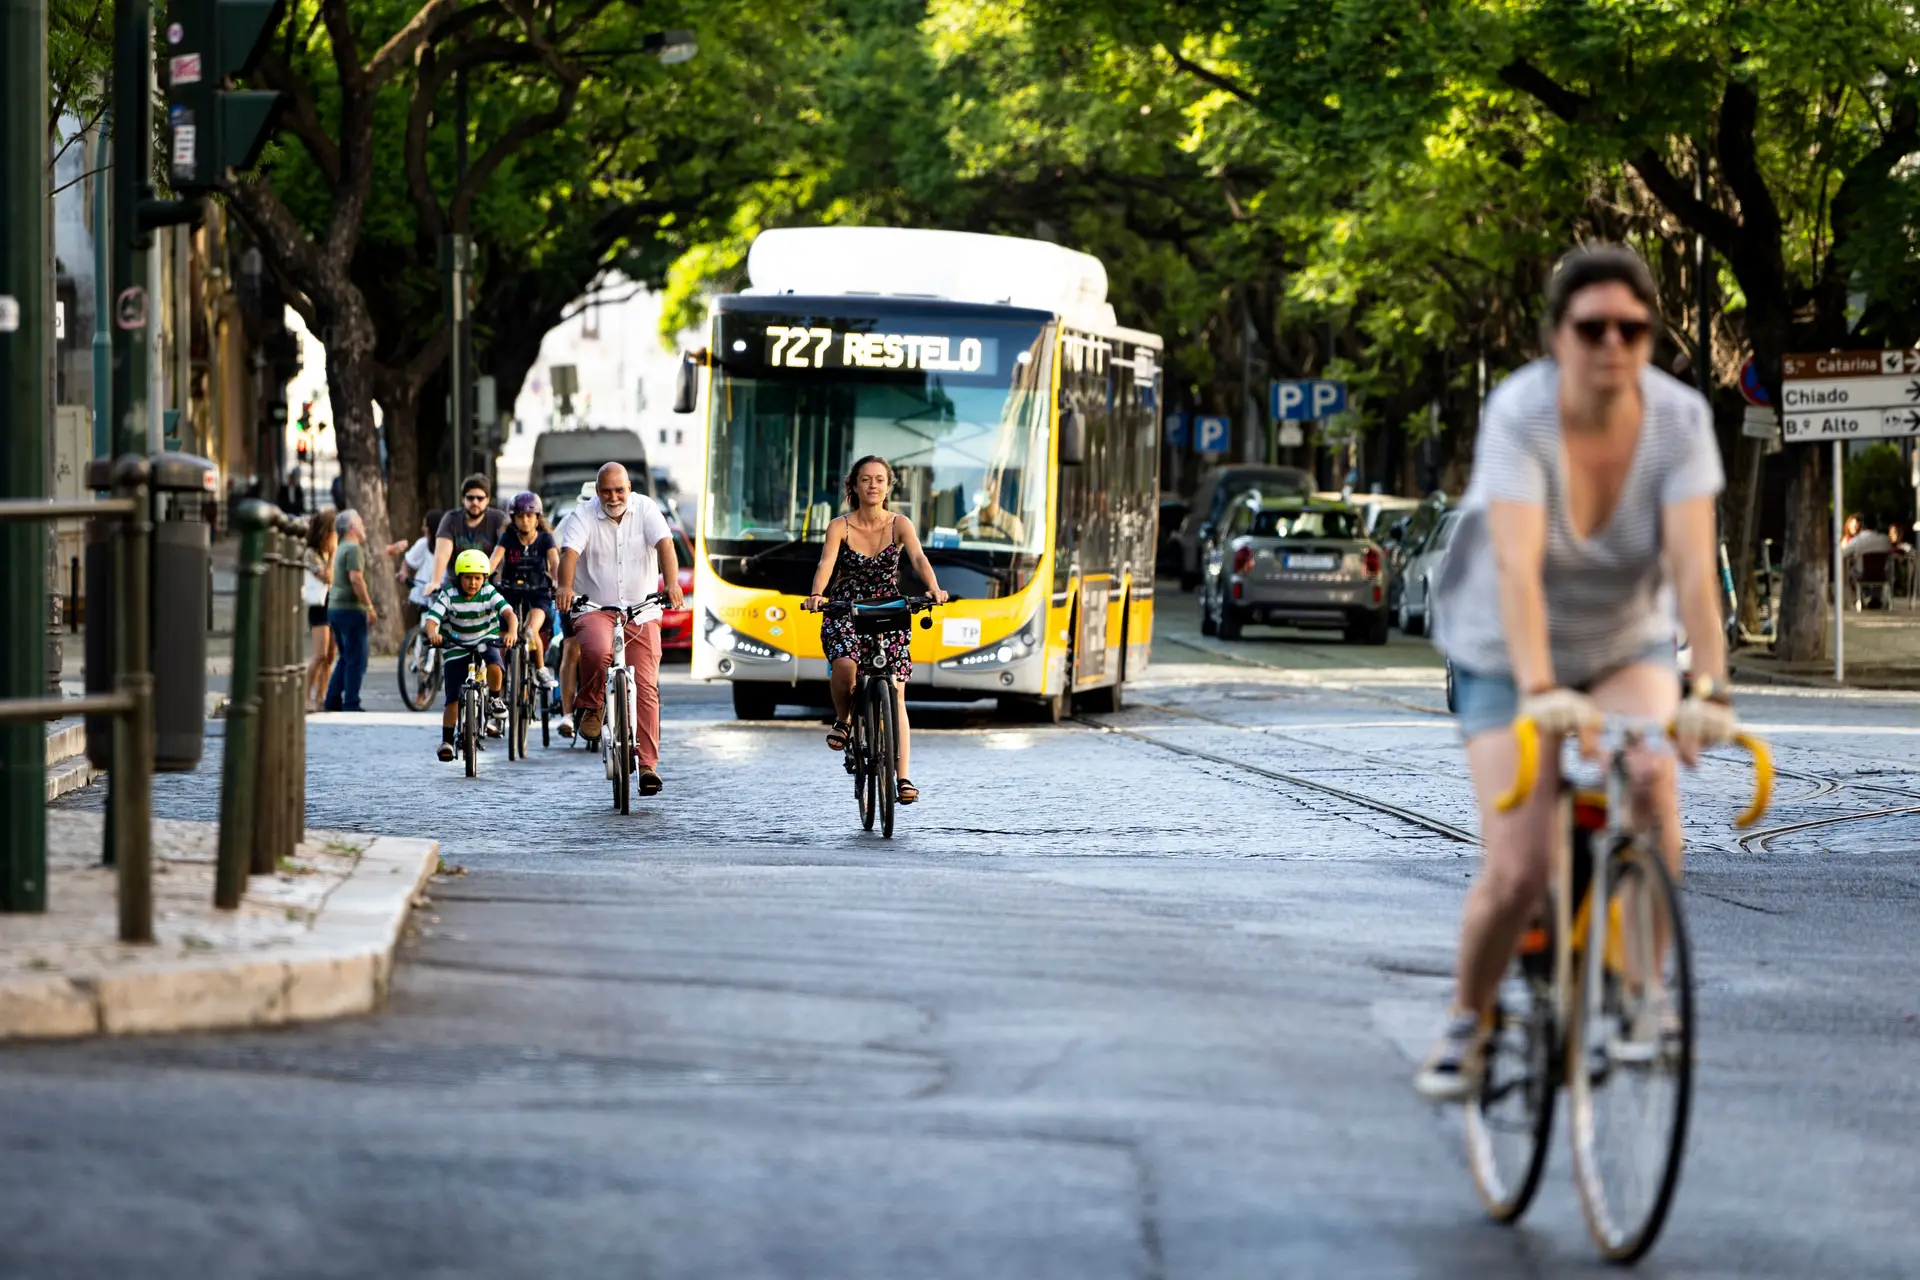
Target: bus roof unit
(959, 266)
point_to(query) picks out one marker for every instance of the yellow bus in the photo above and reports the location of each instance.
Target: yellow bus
(1023, 424)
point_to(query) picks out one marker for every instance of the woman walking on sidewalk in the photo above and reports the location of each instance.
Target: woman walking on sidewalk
(321, 541)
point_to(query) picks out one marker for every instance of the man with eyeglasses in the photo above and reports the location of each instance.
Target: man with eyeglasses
(477, 526)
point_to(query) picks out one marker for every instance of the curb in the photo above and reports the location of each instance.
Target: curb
(341, 967)
(1790, 681)
(70, 776)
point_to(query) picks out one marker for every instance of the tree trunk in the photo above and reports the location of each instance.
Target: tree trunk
(405, 506)
(1801, 630)
(348, 337)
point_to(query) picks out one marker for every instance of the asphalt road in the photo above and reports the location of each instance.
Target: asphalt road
(1112, 1003)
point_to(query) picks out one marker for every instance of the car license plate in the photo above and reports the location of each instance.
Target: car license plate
(1320, 563)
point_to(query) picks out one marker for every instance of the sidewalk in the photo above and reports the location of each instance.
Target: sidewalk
(1883, 652)
(315, 941)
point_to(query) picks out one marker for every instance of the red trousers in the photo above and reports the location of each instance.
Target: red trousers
(594, 631)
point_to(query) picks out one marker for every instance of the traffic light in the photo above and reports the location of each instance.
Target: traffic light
(300, 448)
(210, 128)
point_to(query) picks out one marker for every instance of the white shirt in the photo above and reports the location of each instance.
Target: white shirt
(419, 559)
(618, 561)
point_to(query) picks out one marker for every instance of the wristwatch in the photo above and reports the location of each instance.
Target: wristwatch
(1708, 689)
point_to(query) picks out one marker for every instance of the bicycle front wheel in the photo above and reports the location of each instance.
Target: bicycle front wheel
(864, 789)
(1510, 1121)
(516, 664)
(416, 670)
(1630, 1057)
(471, 709)
(880, 698)
(619, 745)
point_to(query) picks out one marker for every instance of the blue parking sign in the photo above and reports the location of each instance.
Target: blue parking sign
(1305, 400)
(1212, 433)
(1177, 430)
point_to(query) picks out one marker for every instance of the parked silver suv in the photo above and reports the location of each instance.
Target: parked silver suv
(1298, 562)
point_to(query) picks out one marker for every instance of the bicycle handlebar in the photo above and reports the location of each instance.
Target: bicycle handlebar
(1526, 772)
(908, 605)
(583, 605)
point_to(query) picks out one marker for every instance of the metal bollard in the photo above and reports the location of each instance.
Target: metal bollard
(293, 692)
(297, 714)
(132, 776)
(267, 777)
(237, 774)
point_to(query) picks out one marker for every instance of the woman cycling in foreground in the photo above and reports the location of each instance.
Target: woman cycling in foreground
(1594, 480)
(875, 541)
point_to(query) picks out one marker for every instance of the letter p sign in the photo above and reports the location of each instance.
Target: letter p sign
(1328, 398)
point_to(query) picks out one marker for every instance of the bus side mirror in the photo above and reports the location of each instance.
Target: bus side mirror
(1073, 437)
(686, 384)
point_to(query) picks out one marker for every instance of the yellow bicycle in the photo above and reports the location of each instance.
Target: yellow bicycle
(1613, 1023)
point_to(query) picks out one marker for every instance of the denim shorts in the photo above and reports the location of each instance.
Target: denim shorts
(1491, 700)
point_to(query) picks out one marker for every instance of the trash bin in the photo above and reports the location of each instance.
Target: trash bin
(179, 592)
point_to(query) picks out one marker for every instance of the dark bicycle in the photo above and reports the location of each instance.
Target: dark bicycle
(525, 698)
(871, 749)
(473, 703)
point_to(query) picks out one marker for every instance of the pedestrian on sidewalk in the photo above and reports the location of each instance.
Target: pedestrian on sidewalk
(322, 540)
(350, 612)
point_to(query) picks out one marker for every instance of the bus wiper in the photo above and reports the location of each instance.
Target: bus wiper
(789, 544)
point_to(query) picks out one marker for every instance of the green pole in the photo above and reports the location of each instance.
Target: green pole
(132, 160)
(26, 328)
(243, 712)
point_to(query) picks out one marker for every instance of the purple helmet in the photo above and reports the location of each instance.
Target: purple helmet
(526, 504)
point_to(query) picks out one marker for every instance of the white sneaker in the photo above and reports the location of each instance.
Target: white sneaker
(1458, 1062)
(546, 679)
(565, 727)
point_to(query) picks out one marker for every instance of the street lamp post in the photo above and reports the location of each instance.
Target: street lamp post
(26, 329)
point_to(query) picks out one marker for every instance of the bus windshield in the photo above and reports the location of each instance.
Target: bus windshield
(957, 405)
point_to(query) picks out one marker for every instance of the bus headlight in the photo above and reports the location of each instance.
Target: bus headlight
(1000, 653)
(726, 640)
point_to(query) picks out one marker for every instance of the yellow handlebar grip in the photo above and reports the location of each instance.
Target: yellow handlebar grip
(1762, 779)
(1526, 767)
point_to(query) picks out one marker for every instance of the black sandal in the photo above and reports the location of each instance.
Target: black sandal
(908, 792)
(838, 735)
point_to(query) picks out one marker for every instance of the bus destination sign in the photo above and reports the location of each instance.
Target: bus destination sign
(809, 347)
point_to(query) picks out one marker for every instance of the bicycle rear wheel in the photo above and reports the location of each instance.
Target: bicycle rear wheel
(1630, 1060)
(1510, 1122)
(471, 709)
(880, 696)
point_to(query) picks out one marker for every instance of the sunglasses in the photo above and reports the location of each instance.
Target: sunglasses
(1594, 332)
(476, 497)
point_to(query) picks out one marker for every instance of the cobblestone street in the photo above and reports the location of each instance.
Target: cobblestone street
(1128, 996)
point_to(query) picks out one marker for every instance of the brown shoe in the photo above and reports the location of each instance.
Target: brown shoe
(590, 724)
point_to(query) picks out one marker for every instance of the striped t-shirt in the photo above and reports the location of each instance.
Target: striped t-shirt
(469, 620)
(1602, 592)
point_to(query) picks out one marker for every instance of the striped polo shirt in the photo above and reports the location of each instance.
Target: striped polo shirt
(1603, 592)
(469, 620)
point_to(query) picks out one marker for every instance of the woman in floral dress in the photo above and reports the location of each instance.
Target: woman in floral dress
(866, 547)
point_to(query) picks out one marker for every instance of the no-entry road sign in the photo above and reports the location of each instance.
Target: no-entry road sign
(1850, 395)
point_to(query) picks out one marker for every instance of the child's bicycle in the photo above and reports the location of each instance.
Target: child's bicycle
(871, 748)
(1613, 1022)
(619, 741)
(472, 720)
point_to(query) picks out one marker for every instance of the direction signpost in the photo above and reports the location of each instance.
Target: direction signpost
(1840, 396)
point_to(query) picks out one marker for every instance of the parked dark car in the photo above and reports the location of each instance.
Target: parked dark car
(1218, 488)
(1173, 510)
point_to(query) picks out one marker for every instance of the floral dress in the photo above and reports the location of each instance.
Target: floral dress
(858, 577)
